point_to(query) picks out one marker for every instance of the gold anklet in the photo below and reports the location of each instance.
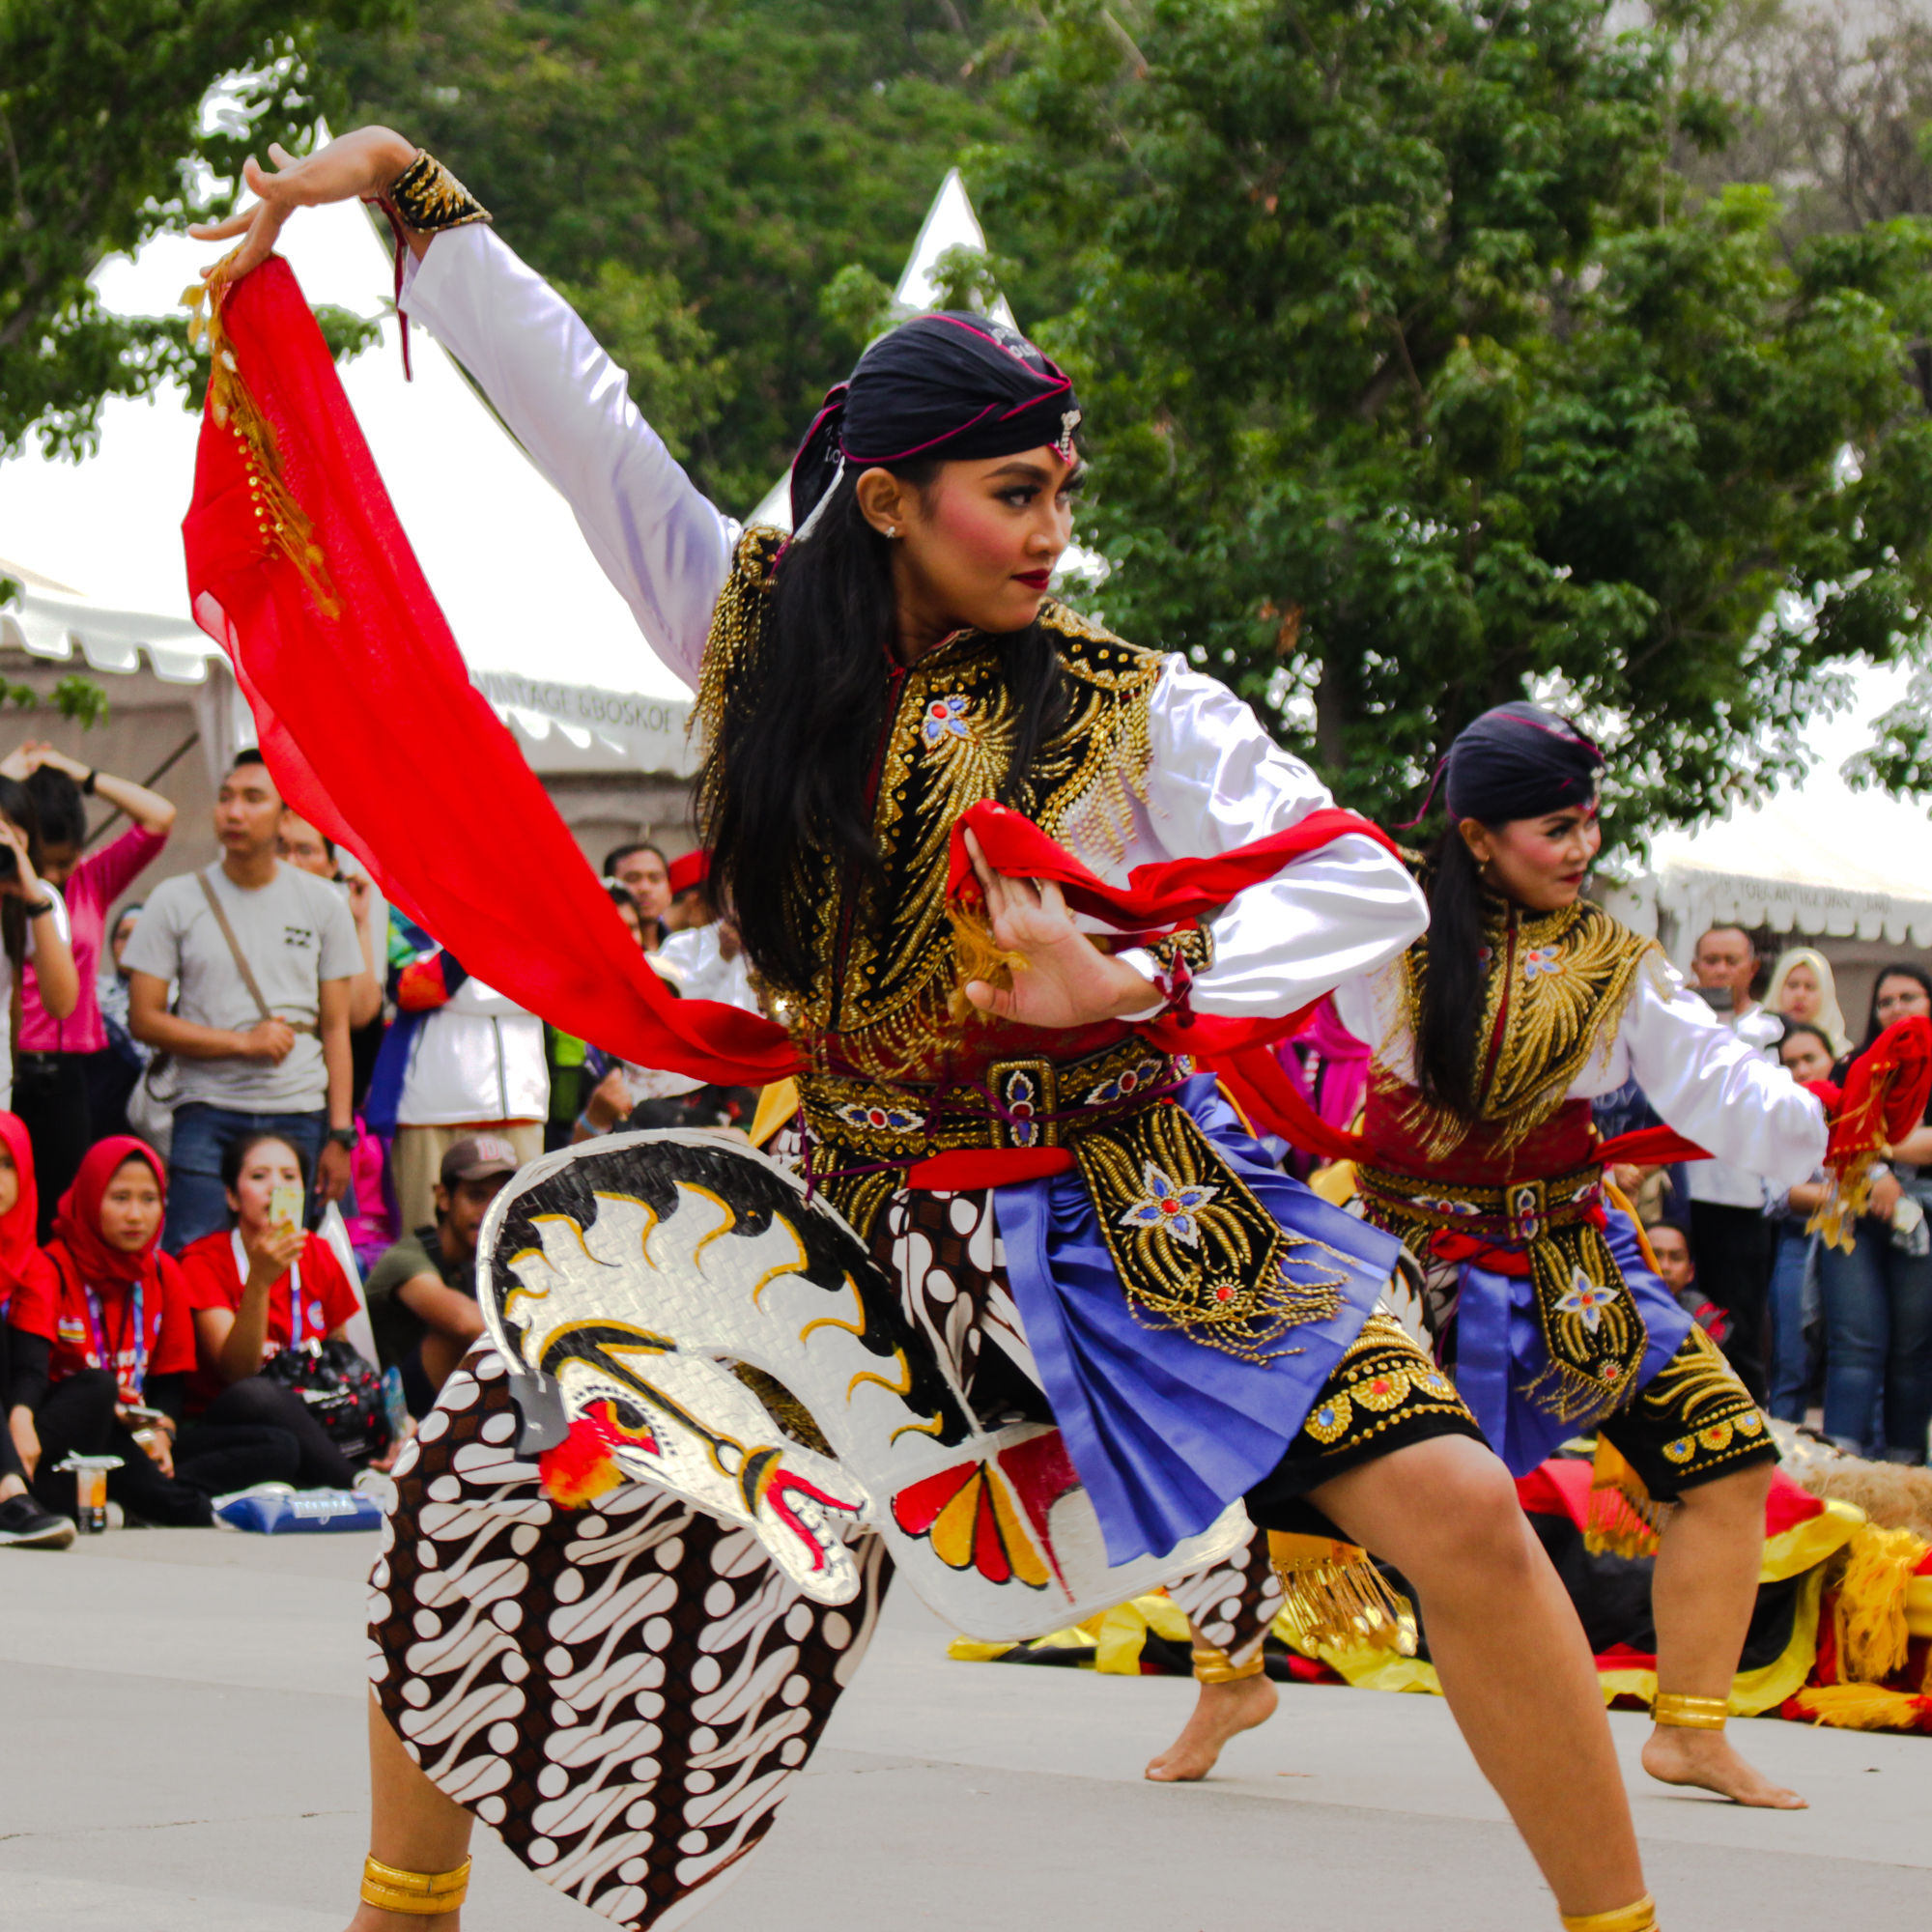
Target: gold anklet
(424, 1894)
(1215, 1667)
(1638, 1918)
(1690, 1714)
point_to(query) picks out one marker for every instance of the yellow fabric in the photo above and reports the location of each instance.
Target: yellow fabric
(1871, 1614)
(777, 1104)
(1335, 1183)
(1806, 1544)
(1919, 1606)
(1859, 1707)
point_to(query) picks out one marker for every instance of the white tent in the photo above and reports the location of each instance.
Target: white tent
(551, 642)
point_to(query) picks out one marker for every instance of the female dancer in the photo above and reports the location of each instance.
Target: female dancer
(1490, 1037)
(630, 1729)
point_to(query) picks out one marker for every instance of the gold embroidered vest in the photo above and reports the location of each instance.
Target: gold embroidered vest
(875, 1021)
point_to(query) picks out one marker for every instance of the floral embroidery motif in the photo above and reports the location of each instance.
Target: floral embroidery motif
(1328, 1420)
(1128, 1082)
(1541, 959)
(946, 718)
(896, 1119)
(1588, 1298)
(1170, 1204)
(1021, 1100)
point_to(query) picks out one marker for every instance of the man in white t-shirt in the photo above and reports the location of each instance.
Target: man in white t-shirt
(244, 1069)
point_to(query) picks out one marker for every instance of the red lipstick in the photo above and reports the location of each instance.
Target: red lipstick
(1034, 579)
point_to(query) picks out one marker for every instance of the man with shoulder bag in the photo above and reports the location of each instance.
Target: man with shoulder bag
(264, 955)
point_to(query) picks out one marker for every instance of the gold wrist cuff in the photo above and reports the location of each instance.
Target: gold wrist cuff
(428, 198)
(1690, 1714)
(1214, 1666)
(423, 1893)
(1638, 1918)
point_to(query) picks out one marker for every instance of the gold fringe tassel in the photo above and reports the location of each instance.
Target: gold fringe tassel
(1333, 1594)
(282, 522)
(976, 955)
(1623, 1519)
(1870, 1617)
(1859, 1707)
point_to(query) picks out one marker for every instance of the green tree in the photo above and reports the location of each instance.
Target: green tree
(105, 140)
(696, 175)
(1416, 380)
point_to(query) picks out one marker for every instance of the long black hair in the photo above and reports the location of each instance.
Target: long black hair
(788, 777)
(60, 805)
(16, 802)
(1449, 1011)
(1901, 969)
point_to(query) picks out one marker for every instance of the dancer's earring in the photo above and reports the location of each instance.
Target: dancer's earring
(892, 530)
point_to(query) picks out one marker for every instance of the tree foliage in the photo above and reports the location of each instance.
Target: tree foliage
(104, 142)
(695, 176)
(1417, 381)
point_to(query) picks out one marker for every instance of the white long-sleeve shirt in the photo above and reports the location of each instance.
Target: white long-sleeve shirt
(1216, 779)
(1714, 1088)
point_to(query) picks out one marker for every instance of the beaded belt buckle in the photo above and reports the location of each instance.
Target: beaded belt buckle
(1026, 1098)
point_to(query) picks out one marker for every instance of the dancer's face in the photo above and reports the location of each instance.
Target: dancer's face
(975, 548)
(1539, 863)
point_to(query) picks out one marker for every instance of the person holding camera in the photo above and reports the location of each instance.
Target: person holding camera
(1729, 1233)
(259, 1285)
(68, 1082)
(35, 936)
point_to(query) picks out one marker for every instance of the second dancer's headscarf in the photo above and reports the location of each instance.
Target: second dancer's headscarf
(951, 384)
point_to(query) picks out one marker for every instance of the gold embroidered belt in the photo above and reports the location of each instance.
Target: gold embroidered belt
(1025, 1104)
(1549, 1232)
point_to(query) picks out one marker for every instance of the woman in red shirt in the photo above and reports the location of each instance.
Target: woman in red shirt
(257, 1288)
(117, 1348)
(23, 1522)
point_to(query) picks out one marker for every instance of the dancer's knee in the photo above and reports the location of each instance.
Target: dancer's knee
(1466, 1528)
(1740, 1494)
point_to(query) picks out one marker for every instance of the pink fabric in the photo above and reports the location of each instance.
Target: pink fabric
(1337, 1056)
(95, 883)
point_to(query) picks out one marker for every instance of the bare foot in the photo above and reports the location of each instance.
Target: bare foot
(1221, 1712)
(1676, 1755)
(373, 1918)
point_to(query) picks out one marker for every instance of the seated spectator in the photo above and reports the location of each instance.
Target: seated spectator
(126, 1058)
(461, 1060)
(34, 931)
(645, 873)
(24, 1523)
(58, 1067)
(1878, 1298)
(422, 1295)
(1670, 1249)
(1802, 988)
(256, 1287)
(264, 955)
(104, 1350)
(626, 902)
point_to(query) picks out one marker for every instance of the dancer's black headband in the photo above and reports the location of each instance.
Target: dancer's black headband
(952, 384)
(1517, 761)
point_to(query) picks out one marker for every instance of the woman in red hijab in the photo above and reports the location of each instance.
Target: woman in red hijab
(116, 1337)
(24, 1523)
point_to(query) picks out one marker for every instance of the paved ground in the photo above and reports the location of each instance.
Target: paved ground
(181, 1751)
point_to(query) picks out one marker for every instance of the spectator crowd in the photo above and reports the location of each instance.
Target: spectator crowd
(251, 1130)
(248, 1136)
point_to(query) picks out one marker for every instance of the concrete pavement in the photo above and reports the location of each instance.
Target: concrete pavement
(182, 1752)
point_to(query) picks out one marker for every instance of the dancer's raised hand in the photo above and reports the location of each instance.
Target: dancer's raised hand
(357, 166)
(1067, 981)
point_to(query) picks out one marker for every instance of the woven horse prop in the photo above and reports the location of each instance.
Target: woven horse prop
(674, 1310)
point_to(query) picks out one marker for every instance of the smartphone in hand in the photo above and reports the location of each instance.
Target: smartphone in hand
(285, 1207)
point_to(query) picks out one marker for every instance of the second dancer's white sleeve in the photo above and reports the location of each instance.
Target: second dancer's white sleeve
(1215, 781)
(1715, 1088)
(666, 547)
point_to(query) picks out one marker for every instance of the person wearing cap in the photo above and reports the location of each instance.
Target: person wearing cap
(691, 903)
(422, 1293)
